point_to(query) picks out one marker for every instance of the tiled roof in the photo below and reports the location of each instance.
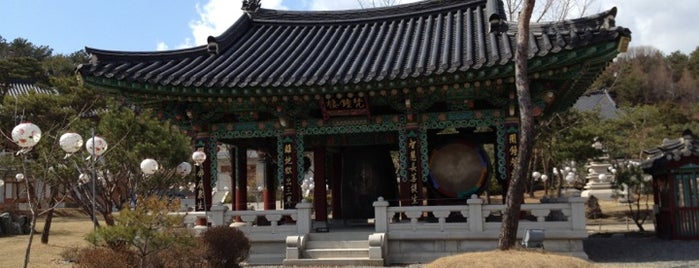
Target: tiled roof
(287, 51)
(600, 101)
(671, 150)
(17, 89)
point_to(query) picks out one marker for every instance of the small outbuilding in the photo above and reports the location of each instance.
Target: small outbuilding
(675, 169)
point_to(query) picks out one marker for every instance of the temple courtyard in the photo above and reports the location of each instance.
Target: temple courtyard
(612, 242)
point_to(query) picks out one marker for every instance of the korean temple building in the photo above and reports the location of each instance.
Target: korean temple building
(429, 84)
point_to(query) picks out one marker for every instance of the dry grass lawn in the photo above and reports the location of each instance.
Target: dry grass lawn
(67, 230)
(511, 258)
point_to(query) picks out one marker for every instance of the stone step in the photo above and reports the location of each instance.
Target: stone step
(320, 244)
(331, 262)
(265, 259)
(328, 253)
(339, 236)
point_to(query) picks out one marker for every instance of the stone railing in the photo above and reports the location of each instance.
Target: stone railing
(417, 234)
(422, 234)
(476, 220)
(257, 224)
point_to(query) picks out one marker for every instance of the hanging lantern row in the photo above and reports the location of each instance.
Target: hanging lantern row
(149, 166)
(71, 142)
(27, 135)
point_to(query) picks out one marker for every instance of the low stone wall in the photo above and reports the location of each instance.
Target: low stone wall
(423, 234)
(417, 234)
(267, 230)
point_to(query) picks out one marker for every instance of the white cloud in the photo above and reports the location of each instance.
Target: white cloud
(161, 46)
(214, 18)
(667, 27)
(186, 44)
(217, 15)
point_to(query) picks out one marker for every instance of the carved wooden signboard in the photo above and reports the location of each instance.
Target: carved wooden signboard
(344, 105)
(414, 170)
(289, 172)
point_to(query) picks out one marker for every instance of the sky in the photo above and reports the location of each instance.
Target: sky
(137, 25)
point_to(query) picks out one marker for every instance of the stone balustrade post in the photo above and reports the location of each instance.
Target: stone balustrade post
(218, 213)
(475, 214)
(378, 248)
(381, 215)
(577, 207)
(303, 220)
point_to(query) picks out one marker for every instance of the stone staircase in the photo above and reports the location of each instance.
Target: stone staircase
(335, 249)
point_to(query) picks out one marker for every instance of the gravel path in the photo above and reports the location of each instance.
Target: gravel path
(641, 251)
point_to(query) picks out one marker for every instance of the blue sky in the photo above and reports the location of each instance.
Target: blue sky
(131, 25)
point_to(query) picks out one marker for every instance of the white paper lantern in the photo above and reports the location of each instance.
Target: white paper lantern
(199, 157)
(96, 146)
(570, 177)
(149, 166)
(2, 183)
(536, 174)
(19, 176)
(602, 177)
(26, 134)
(83, 178)
(71, 142)
(183, 169)
(544, 177)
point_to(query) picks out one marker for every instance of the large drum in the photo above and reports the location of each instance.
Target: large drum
(459, 169)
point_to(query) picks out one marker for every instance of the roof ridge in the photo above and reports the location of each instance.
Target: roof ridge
(361, 15)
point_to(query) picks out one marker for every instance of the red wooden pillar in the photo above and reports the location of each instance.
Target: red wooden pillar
(241, 179)
(320, 202)
(269, 194)
(335, 183)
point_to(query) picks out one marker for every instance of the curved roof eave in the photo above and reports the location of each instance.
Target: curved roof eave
(363, 15)
(236, 63)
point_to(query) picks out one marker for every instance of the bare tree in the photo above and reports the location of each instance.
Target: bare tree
(515, 193)
(550, 10)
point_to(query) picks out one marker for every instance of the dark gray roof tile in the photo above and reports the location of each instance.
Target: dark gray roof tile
(671, 150)
(289, 49)
(18, 89)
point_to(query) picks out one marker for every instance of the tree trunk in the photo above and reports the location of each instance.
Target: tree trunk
(32, 210)
(515, 193)
(47, 224)
(49, 217)
(109, 219)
